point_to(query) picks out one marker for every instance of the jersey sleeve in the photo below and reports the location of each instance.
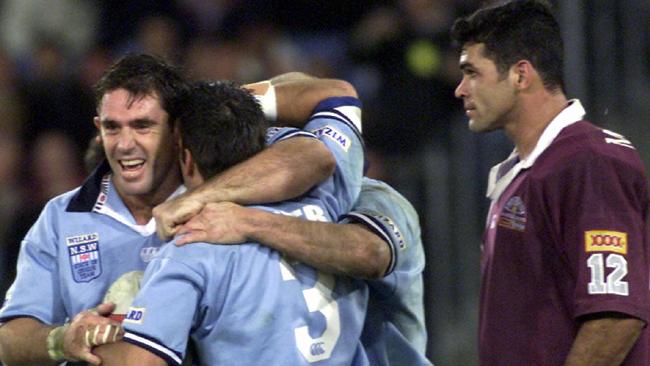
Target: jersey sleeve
(389, 215)
(35, 292)
(162, 314)
(601, 227)
(337, 123)
(172, 300)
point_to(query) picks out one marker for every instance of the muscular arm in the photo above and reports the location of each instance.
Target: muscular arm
(348, 249)
(283, 171)
(126, 354)
(604, 341)
(23, 342)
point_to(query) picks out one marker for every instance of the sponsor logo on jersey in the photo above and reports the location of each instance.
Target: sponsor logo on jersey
(334, 135)
(513, 214)
(317, 349)
(84, 254)
(135, 315)
(606, 241)
(396, 233)
(147, 253)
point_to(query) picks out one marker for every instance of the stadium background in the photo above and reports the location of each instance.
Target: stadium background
(397, 54)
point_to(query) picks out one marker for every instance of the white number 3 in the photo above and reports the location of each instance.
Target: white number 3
(614, 284)
(318, 299)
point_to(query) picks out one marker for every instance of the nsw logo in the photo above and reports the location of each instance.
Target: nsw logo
(84, 254)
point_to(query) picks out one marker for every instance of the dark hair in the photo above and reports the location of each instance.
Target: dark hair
(143, 75)
(221, 124)
(514, 31)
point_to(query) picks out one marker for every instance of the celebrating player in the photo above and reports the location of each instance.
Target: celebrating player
(246, 304)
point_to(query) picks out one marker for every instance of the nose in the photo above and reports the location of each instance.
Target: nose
(126, 140)
(460, 91)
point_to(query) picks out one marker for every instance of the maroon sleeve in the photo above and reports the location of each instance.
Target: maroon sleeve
(601, 229)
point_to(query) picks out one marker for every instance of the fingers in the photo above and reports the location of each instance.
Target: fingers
(191, 237)
(102, 334)
(105, 309)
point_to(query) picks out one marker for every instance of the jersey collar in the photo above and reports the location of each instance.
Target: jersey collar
(573, 113)
(97, 194)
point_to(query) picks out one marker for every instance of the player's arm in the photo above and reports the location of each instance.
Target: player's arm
(604, 341)
(126, 354)
(349, 249)
(285, 170)
(27, 341)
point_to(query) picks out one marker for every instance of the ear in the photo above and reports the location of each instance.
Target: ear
(523, 74)
(96, 122)
(187, 163)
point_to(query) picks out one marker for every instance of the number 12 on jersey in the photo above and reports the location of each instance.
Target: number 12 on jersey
(614, 283)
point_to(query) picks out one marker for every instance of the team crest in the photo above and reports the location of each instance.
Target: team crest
(85, 261)
(513, 215)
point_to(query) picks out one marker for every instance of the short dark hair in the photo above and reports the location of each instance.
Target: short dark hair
(222, 125)
(143, 75)
(517, 30)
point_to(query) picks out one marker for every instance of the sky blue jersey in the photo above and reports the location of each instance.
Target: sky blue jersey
(245, 304)
(395, 332)
(83, 241)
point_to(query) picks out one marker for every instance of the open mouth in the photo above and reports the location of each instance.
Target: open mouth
(131, 165)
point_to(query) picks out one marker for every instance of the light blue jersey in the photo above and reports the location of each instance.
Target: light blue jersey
(244, 304)
(395, 332)
(83, 241)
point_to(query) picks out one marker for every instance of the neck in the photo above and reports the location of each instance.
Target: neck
(534, 114)
(141, 206)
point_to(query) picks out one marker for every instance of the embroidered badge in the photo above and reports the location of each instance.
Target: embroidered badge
(85, 261)
(147, 253)
(513, 215)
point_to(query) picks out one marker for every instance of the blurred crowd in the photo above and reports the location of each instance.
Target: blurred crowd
(397, 54)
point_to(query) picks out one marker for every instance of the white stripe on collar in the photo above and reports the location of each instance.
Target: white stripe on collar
(573, 113)
(106, 209)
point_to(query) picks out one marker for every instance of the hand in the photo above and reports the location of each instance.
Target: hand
(88, 329)
(218, 223)
(169, 215)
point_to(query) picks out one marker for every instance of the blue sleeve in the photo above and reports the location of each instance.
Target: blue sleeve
(36, 292)
(337, 123)
(392, 217)
(170, 303)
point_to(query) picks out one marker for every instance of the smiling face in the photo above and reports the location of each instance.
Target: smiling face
(488, 96)
(139, 146)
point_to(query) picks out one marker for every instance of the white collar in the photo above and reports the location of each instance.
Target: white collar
(112, 209)
(573, 113)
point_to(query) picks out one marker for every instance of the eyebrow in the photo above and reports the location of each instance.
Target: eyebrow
(466, 65)
(137, 121)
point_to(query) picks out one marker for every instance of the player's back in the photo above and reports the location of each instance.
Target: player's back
(248, 306)
(395, 331)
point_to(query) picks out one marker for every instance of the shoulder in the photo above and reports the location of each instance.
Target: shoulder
(585, 147)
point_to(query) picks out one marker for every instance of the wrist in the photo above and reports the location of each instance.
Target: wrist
(55, 342)
(268, 102)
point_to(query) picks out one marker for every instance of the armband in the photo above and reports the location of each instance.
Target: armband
(55, 343)
(268, 103)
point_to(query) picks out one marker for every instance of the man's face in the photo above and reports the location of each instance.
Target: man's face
(139, 144)
(488, 96)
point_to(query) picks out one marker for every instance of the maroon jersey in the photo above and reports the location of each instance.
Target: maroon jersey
(567, 238)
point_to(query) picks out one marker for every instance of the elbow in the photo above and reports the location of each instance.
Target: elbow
(374, 259)
(343, 88)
